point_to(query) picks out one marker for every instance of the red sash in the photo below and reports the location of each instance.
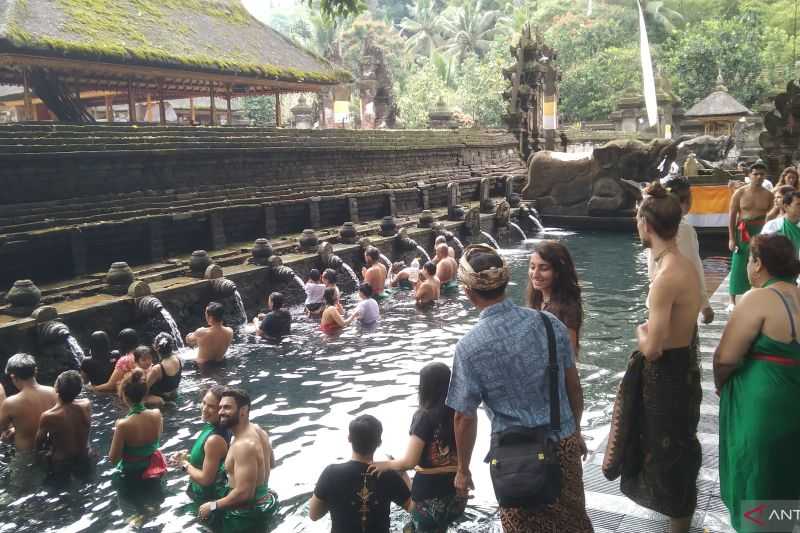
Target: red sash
(777, 359)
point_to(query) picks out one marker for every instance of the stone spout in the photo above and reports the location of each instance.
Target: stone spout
(282, 274)
(149, 307)
(222, 287)
(406, 243)
(52, 332)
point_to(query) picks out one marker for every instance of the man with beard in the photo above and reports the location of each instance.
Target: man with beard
(248, 503)
(668, 451)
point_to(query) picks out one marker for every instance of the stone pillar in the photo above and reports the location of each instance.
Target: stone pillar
(77, 240)
(509, 187)
(484, 196)
(213, 107)
(302, 113)
(453, 194)
(313, 212)
(278, 118)
(156, 238)
(131, 104)
(217, 227)
(425, 196)
(392, 203)
(352, 205)
(270, 221)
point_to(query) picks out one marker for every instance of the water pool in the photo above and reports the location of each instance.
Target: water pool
(307, 389)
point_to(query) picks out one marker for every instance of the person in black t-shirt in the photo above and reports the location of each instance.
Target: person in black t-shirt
(278, 322)
(97, 368)
(357, 500)
(432, 450)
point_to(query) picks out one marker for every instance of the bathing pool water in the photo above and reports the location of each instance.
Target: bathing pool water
(306, 389)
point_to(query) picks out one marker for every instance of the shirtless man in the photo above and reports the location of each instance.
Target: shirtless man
(23, 410)
(748, 209)
(374, 273)
(212, 342)
(428, 286)
(671, 374)
(248, 465)
(441, 239)
(66, 427)
(446, 268)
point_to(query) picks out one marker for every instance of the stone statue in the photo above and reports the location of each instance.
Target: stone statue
(574, 184)
(690, 165)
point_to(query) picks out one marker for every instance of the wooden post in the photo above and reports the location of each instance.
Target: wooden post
(192, 117)
(131, 103)
(162, 110)
(213, 107)
(26, 87)
(278, 121)
(228, 103)
(321, 110)
(109, 108)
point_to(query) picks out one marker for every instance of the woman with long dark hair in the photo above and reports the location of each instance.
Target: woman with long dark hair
(553, 286)
(432, 452)
(164, 377)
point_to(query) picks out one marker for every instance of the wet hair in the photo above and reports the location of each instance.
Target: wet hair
(397, 266)
(661, 210)
(134, 386)
(330, 275)
(164, 345)
(430, 268)
(789, 196)
(99, 345)
(278, 299)
(789, 170)
(681, 188)
(434, 380)
(365, 289)
(313, 275)
(373, 253)
(330, 295)
(216, 391)
(441, 239)
(216, 311)
(21, 366)
(480, 261)
(68, 385)
(127, 339)
(442, 248)
(777, 254)
(758, 165)
(141, 351)
(239, 396)
(365, 434)
(566, 291)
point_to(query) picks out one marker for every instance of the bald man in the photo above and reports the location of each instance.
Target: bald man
(446, 268)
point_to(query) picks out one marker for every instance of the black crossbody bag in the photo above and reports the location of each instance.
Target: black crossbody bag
(524, 462)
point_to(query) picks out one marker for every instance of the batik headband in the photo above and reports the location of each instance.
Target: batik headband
(485, 280)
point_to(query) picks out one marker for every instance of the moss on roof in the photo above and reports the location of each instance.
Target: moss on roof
(218, 36)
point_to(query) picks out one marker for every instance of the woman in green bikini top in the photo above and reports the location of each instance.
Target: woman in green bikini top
(205, 462)
(134, 447)
(757, 373)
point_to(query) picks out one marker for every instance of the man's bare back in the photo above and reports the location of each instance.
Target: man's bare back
(24, 410)
(677, 292)
(212, 342)
(446, 269)
(66, 426)
(428, 291)
(376, 277)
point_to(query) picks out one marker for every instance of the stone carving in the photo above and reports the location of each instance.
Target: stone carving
(199, 262)
(378, 107)
(308, 241)
(24, 294)
(119, 277)
(472, 222)
(707, 149)
(502, 214)
(573, 184)
(261, 251)
(348, 233)
(781, 142)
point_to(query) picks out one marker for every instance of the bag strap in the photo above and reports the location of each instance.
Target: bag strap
(555, 407)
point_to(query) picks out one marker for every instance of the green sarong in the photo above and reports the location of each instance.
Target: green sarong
(791, 232)
(197, 456)
(450, 287)
(252, 516)
(759, 429)
(405, 284)
(381, 296)
(738, 282)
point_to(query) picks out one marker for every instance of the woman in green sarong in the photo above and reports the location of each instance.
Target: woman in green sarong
(205, 462)
(738, 282)
(757, 372)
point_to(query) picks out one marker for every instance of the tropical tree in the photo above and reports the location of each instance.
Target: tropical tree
(660, 19)
(470, 29)
(423, 29)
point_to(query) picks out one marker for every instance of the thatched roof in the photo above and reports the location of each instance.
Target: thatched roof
(718, 104)
(216, 36)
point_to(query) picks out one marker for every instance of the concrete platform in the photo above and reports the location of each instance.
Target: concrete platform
(610, 511)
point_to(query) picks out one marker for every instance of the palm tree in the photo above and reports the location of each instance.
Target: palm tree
(423, 30)
(656, 15)
(471, 29)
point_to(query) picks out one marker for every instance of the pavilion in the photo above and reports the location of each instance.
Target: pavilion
(719, 111)
(132, 51)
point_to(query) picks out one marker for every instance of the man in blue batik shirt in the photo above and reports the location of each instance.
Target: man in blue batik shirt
(502, 363)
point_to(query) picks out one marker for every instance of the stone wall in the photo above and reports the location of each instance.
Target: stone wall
(76, 198)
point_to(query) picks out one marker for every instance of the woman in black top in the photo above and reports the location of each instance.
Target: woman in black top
(99, 367)
(432, 453)
(278, 322)
(164, 377)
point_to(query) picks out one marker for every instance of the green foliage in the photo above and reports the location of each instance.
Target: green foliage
(422, 89)
(260, 109)
(480, 87)
(590, 89)
(471, 28)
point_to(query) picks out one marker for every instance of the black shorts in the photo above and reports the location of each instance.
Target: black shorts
(313, 308)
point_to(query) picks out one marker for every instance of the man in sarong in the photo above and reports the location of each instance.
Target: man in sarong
(748, 208)
(668, 452)
(788, 225)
